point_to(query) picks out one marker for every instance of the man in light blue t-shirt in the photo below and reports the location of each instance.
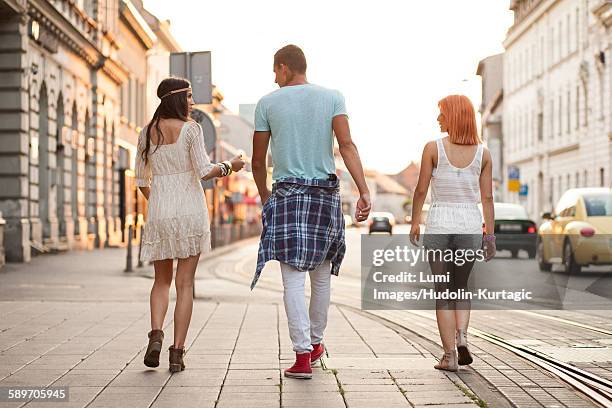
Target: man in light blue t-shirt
(302, 142)
(303, 226)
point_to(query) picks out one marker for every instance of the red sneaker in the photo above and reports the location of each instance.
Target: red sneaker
(301, 368)
(317, 352)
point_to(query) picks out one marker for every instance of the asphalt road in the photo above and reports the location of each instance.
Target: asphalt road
(590, 291)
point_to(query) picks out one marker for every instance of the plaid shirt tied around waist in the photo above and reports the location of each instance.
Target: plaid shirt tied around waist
(303, 225)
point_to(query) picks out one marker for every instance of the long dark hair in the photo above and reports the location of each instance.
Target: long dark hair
(172, 106)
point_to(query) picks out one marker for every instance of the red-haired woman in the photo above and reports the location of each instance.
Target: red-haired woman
(460, 172)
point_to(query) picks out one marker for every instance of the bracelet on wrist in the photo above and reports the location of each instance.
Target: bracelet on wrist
(489, 238)
(229, 167)
(223, 169)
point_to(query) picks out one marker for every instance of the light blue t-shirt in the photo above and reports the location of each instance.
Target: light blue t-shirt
(299, 118)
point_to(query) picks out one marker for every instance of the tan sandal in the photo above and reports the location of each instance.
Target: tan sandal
(176, 359)
(448, 362)
(151, 358)
(465, 357)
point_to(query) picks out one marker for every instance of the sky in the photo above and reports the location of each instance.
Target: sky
(392, 59)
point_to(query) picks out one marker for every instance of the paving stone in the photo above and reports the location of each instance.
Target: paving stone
(196, 378)
(26, 377)
(77, 397)
(186, 397)
(436, 399)
(144, 378)
(240, 349)
(86, 378)
(133, 397)
(307, 397)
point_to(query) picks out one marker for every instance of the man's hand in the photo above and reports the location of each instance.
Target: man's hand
(362, 209)
(265, 195)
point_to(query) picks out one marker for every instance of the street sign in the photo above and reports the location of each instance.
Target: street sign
(524, 190)
(196, 67)
(514, 186)
(514, 173)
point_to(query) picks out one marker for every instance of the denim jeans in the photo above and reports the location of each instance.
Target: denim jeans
(306, 327)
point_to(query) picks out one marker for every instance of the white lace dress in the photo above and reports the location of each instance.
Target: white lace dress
(177, 224)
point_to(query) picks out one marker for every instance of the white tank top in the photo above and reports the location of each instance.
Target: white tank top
(451, 184)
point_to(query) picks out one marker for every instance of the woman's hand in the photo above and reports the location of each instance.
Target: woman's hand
(237, 162)
(489, 247)
(415, 233)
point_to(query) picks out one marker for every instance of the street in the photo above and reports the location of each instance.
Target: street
(78, 320)
(579, 337)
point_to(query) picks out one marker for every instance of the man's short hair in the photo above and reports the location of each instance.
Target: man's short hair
(293, 57)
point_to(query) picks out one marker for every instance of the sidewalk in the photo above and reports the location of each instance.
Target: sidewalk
(78, 320)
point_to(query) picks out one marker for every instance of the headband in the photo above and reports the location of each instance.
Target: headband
(175, 91)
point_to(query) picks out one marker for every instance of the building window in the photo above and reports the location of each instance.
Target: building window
(586, 105)
(551, 132)
(542, 55)
(560, 39)
(540, 126)
(519, 69)
(143, 106)
(569, 111)
(577, 24)
(560, 112)
(577, 183)
(551, 47)
(568, 43)
(601, 177)
(585, 180)
(577, 106)
(585, 41)
(551, 191)
(601, 96)
(534, 60)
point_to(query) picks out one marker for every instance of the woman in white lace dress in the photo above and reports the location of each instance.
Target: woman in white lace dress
(170, 163)
(459, 168)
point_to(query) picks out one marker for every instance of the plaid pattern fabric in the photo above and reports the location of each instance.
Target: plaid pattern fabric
(302, 225)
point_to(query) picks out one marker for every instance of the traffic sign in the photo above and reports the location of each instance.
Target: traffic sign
(196, 67)
(514, 173)
(524, 190)
(514, 186)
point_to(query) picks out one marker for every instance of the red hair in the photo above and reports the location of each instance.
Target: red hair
(460, 119)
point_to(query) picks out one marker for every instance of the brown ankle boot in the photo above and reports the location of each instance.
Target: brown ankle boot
(176, 359)
(156, 337)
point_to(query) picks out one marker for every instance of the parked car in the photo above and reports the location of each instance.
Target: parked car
(578, 232)
(514, 230)
(381, 222)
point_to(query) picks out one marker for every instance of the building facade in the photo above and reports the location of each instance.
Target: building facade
(557, 110)
(490, 70)
(72, 97)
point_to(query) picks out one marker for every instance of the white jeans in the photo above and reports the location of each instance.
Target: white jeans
(306, 327)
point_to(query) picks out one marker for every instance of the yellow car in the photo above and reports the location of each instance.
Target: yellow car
(579, 232)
